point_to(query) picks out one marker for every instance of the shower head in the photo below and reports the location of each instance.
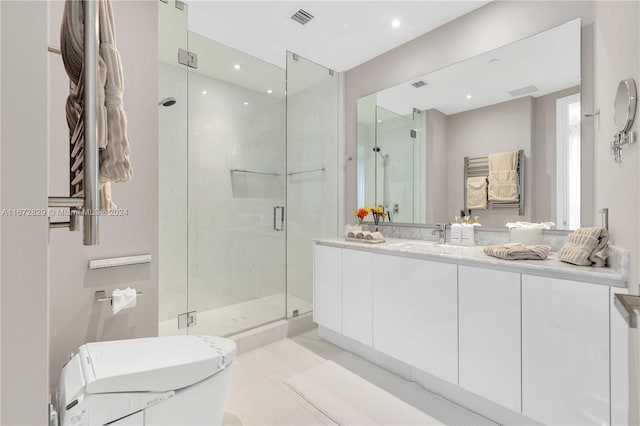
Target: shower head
(167, 101)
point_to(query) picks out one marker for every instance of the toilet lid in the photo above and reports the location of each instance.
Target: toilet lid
(153, 364)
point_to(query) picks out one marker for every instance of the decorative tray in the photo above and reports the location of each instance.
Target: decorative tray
(362, 240)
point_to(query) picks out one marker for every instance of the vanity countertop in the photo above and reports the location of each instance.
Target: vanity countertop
(615, 276)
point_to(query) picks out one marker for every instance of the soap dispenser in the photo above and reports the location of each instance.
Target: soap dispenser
(456, 231)
(468, 233)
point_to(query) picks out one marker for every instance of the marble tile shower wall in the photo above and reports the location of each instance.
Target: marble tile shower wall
(234, 253)
(225, 218)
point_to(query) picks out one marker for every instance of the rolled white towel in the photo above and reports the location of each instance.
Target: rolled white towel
(374, 236)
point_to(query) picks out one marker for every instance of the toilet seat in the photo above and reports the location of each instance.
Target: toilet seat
(106, 381)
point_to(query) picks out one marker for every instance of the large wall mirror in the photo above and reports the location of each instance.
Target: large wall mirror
(413, 137)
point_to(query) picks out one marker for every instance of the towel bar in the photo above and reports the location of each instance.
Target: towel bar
(101, 296)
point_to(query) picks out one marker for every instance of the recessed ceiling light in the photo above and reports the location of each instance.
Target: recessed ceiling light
(204, 92)
(395, 23)
(269, 91)
(246, 103)
(468, 96)
(379, 121)
(236, 66)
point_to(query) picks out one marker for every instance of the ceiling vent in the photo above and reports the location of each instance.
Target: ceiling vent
(302, 17)
(523, 90)
(419, 84)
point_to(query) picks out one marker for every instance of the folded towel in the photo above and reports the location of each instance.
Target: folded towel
(351, 234)
(517, 251)
(503, 161)
(585, 247)
(503, 186)
(503, 177)
(477, 192)
(361, 234)
(374, 236)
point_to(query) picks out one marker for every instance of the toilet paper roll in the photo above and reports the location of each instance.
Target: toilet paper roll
(123, 299)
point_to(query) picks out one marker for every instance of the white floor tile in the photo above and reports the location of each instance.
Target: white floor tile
(260, 403)
(260, 396)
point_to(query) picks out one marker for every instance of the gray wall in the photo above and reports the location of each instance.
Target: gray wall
(24, 239)
(75, 318)
(437, 186)
(478, 133)
(543, 156)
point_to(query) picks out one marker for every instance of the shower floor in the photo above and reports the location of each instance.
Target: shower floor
(233, 319)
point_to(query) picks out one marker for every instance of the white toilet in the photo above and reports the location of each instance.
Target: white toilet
(174, 380)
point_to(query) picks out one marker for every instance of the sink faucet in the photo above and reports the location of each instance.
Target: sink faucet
(441, 231)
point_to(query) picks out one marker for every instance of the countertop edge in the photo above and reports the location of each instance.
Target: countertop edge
(546, 268)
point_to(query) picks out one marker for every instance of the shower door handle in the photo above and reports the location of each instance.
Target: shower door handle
(275, 220)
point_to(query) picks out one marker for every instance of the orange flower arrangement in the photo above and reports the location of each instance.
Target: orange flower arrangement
(361, 213)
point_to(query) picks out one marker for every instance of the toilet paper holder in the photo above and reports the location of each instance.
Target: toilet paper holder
(101, 296)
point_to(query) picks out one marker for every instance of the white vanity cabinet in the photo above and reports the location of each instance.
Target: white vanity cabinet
(489, 306)
(541, 339)
(357, 295)
(327, 287)
(415, 313)
(565, 351)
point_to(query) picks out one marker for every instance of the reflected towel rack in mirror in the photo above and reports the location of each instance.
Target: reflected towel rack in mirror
(479, 166)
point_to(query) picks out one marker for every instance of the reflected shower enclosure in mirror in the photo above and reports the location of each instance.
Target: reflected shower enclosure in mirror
(390, 157)
(413, 137)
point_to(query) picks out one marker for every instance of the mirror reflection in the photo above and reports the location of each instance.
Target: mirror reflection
(413, 138)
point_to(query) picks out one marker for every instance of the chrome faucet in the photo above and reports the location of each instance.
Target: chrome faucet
(441, 231)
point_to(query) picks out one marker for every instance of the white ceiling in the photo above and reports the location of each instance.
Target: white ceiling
(342, 35)
(549, 60)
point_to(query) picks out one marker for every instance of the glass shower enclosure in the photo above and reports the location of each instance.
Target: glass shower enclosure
(248, 177)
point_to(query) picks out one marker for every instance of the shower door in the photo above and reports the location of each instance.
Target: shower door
(173, 170)
(232, 256)
(312, 172)
(236, 190)
(397, 172)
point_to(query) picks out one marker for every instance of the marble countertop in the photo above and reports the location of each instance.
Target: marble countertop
(615, 276)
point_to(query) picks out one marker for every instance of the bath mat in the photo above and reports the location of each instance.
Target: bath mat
(352, 391)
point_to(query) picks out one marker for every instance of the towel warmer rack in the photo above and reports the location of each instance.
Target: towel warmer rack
(479, 166)
(85, 203)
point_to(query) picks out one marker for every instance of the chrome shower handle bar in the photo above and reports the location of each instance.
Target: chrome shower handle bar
(275, 214)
